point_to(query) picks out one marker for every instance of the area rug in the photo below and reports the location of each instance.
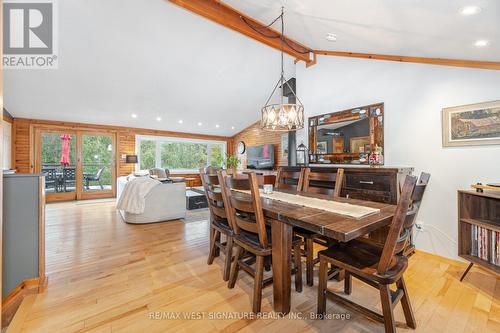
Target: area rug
(196, 215)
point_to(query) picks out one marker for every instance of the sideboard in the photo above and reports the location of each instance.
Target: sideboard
(379, 184)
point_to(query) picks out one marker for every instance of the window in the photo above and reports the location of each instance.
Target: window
(177, 154)
(147, 152)
(217, 154)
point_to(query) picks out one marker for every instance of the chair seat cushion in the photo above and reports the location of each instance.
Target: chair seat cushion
(361, 258)
(253, 239)
(222, 224)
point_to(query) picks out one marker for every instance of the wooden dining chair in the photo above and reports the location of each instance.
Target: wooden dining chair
(329, 183)
(289, 179)
(252, 236)
(376, 266)
(219, 223)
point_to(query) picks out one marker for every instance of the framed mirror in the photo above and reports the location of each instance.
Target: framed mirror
(348, 137)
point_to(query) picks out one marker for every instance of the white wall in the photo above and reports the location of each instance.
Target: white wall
(7, 139)
(414, 95)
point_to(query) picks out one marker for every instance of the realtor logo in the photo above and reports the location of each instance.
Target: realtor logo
(29, 34)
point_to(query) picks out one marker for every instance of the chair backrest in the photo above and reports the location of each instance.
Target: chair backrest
(321, 182)
(403, 220)
(50, 174)
(213, 192)
(289, 179)
(99, 173)
(159, 172)
(69, 174)
(244, 210)
(211, 170)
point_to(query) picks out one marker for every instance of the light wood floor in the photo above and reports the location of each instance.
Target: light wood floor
(107, 276)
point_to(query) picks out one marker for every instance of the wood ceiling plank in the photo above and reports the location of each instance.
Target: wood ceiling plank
(421, 60)
(225, 15)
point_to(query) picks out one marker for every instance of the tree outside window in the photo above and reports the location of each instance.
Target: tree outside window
(148, 154)
(179, 154)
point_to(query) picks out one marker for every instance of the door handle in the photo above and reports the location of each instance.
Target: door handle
(366, 182)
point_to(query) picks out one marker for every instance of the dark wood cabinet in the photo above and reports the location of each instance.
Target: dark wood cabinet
(379, 184)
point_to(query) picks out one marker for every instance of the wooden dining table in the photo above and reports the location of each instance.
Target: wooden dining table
(284, 216)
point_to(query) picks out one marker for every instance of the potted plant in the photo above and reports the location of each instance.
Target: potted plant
(232, 163)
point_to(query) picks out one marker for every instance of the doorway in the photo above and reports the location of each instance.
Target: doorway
(77, 164)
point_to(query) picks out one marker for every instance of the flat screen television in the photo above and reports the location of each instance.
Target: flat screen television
(260, 157)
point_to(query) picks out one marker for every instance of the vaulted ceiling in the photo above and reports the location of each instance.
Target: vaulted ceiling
(155, 59)
(425, 28)
(149, 58)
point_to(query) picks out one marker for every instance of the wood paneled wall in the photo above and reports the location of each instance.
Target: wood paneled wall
(22, 141)
(253, 136)
(23, 158)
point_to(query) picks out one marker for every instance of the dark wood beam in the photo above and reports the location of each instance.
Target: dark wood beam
(421, 60)
(227, 16)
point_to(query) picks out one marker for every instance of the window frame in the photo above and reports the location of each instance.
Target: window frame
(166, 139)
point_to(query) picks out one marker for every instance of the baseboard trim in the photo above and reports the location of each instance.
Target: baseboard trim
(446, 259)
(11, 303)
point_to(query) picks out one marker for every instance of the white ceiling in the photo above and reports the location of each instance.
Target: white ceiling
(428, 28)
(152, 58)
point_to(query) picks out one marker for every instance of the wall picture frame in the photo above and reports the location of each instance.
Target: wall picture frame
(321, 147)
(471, 125)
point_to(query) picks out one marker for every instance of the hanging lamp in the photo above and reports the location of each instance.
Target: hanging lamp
(278, 114)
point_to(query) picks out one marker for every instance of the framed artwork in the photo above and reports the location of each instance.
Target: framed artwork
(472, 125)
(284, 146)
(321, 147)
(357, 144)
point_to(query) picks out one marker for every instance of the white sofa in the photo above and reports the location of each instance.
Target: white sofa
(164, 202)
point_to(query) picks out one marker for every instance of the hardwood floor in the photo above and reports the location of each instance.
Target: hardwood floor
(108, 276)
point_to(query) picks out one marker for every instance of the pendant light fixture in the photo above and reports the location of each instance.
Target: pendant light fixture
(282, 113)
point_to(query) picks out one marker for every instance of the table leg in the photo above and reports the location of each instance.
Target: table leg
(282, 245)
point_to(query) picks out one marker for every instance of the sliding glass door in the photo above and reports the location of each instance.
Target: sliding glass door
(57, 159)
(97, 165)
(76, 164)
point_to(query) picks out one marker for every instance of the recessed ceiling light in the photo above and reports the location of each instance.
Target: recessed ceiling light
(470, 10)
(232, 127)
(180, 121)
(158, 118)
(199, 124)
(481, 43)
(331, 37)
(133, 115)
(217, 126)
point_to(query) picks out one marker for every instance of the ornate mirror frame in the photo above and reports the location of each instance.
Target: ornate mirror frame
(375, 114)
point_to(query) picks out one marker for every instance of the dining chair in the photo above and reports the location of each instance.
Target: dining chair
(289, 179)
(50, 178)
(68, 178)
(91, 177)
(377, 266)
(219, 223)
(252, 237)
(321, 182)
(329, 183)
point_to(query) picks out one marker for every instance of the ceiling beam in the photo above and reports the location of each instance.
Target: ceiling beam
(421, 60)
(227, 16)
